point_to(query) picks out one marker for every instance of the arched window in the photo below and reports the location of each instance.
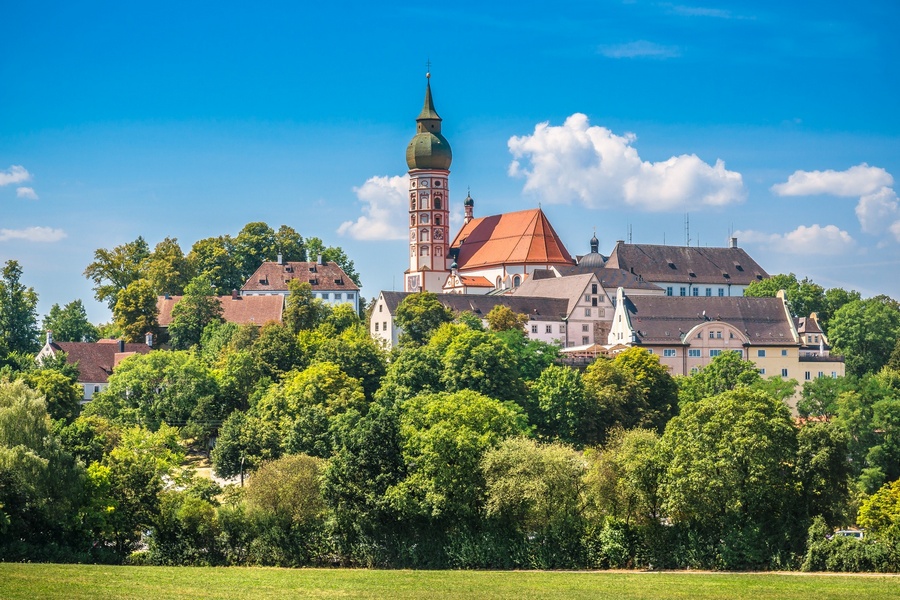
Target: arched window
(412, 220)
(412, 204)
(437, 202)
(499, 282)
(516, 280)
(437, 219)
(423, 251)
(423, 235)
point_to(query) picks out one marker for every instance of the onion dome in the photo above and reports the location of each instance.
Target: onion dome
(428, 149)
(468, 201)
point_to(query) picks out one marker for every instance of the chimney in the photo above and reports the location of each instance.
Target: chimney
(234, 294)
(148, 339)
(280, 259)
(320, 261)
(733, 243)
(49, 336)
(121, 345)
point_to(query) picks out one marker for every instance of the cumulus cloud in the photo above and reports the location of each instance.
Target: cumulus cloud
(855, 181)
(27, 193)
(32, 234)
(384, 204)
(591, 164)
(14, 174)
(815, 239)
(878, 212)
(639, 49)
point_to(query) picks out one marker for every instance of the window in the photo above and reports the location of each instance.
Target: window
(821, 374)
(96, 389)
(380, 308)
(682, 291)
(721, 291)
(694, 353)
(718, 335)
(534, 329)
(784, 352)
(762, 371)
(562, 328)
(593, 288)
(712, 335)
(709, 291)
(585, 327)
(809, 339)
(669, 352)
(585, 340)
(376, 325)
(714, 353)
(423, 251)
(731, 335)
(516, 281)
(587, 297)
(761, 353)
(784, 373)
(650, 350)
(806, 376)
(549, 329)
(694, 370)
(437, 203)
(325, 295)
(669, 291)
(834, 374)
(384, 326)
(349, 296)
(587, 312)
(594, 301)
(337, 296)
(738, 352)
(696, 291)
(437, 219)
(438, 251)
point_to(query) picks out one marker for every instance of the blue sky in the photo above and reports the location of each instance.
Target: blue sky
(777, 120)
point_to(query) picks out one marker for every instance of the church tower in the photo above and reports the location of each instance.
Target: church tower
(428, 157)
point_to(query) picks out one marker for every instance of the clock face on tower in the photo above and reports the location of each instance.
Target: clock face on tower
(438, 234)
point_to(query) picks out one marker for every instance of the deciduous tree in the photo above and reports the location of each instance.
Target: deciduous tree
(70, 323)
(18, 312)
(114, 270)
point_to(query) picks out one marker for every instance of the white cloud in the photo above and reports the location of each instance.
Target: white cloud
(876, 212)
(14, 174)
(815, 239)
(26, 192)
(32, 234)
(384, 210)
(895, 229)
(639, 49)
(591, 164)
(855, 181)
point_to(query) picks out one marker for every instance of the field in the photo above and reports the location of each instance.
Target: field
(73, 582)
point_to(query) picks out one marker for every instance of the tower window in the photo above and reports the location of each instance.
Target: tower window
(437, 203)
(424, 251)
(437, 219)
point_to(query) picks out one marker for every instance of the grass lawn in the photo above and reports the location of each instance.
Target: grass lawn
(72, 582)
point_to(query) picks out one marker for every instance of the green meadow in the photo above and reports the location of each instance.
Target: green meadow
(93, 582)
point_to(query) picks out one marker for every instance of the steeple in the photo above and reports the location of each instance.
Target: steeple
(428, 149)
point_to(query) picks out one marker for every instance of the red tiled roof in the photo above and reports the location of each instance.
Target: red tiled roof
(523, 237)
(96, 360)
(273, 277)
(475, 281)
(243, 310)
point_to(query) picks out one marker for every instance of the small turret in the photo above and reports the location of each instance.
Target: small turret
(469, 205)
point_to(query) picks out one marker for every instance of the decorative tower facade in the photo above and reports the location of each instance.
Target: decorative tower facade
(428, 157)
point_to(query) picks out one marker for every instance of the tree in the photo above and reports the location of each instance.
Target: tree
(62, 395)
(358, 355)
(729, 476)
(616, 400)
(725, 372)
(659, 390)
(213, 257)
(477, 360)
(881, 511)
(114, 270)
(865, 332)
(254, 245)
(288, 488)
(70, 323)
(167, 269)
(135, 312)
(444, 437)
(804, 297)
(419, 315)
(559, 407)
(820, 395)
(278, 350)
(823, 470)
(197, 308)
(303, 311)
(502, 318)
(18, 312)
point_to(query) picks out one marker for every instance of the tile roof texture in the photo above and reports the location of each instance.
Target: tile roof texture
(243, 310)
(610, 278)
(273, 277)
(539, 309)
(662, 319)
(687, 264)
(96, 360)
(523, 237)
(569, 288)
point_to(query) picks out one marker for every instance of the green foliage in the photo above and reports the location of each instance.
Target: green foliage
(419, 315)
(729, 475)
(18, 312)
(334, 254)
(70, 323)
(135, 311)
(358, 355)
(880, 513)
(444, 437)
(114, 270)
(89, 438)
(846, 554)
(212, 258)
(194, 312)
(823, 471)
(167, 269)
(479, 361)
(502, 318)
(559, 407)
(302, 311)
(63, 397)
(725, 372)
(865, 332)
(278, 350)
(819, 396)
